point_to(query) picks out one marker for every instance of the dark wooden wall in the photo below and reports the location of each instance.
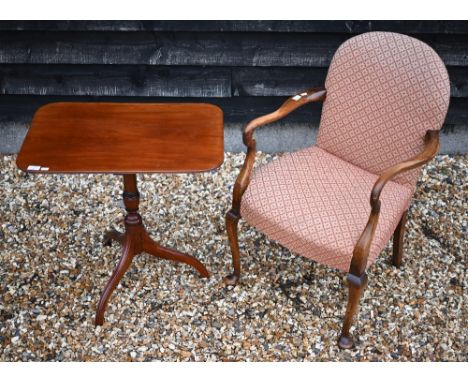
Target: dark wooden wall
(246, 67)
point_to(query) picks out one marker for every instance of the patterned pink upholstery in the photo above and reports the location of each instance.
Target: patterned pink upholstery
(384, 91)
(317, 205)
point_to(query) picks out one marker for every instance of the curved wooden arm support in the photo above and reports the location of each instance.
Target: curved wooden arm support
(291, 104)
(431, 147)
(361, 250)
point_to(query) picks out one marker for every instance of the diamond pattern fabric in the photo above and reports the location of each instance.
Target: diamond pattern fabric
(384, 91)
(317, 205)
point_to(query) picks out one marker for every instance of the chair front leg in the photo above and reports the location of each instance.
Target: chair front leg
(242, 181)
(232, 222)
(356, 285)
(233, 215)
(398, 240)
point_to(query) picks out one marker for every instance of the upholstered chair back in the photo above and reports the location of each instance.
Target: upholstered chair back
(384, 91)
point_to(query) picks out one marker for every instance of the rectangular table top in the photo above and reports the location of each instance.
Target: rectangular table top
(123, 138)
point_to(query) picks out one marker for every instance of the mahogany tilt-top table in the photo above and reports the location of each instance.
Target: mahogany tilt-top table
(126, 139)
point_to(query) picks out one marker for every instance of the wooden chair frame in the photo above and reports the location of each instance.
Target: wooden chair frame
(357, 276)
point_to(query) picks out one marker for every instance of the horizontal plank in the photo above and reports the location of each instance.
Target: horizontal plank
(16, 108)
(176, 81)
(255, 81)
(196, 48)
(321, 26)
(167, 48)
(115, 80)
(275, 81)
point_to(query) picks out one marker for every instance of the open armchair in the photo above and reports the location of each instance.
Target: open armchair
(340, 201)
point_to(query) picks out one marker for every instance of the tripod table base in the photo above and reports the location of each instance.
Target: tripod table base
(134, 241)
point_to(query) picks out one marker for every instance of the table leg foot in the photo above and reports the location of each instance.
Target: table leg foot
(154, 249)
(119, 271)
(113, 235)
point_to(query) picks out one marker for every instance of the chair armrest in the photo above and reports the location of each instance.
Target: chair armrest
(291, 104)
(361, 250)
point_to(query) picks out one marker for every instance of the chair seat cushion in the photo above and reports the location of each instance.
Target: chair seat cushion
(317, 205)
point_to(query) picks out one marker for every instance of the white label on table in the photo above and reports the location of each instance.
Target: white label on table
(296, 97)
(303, 94)
(44, 168)
(33, 168)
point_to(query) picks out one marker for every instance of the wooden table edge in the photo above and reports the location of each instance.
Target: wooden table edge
(52, 104)
(104, 172)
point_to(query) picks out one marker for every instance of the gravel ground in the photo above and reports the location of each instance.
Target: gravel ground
(53, 267)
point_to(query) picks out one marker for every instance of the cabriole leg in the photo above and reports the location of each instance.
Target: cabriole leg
(356, 285)
(232, 222)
